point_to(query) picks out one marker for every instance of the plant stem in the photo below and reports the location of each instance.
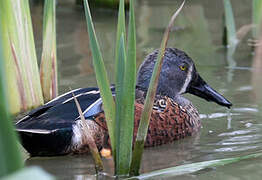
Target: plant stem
(146, 114)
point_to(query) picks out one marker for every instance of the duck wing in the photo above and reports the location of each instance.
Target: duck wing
(48, 130)
(62, 112)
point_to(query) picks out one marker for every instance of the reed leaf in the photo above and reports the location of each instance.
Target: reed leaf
(119, 77)
(101, 77)
(121, 166)
(146, 114)
(48, 68)
(33, 77)
(87, 138)
(257, 17)
(20, 57)
(194, 167)
(10, 160)
(121, 29)
(126, 127)
(230, 31)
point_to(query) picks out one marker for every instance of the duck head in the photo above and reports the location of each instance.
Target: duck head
(178, 76)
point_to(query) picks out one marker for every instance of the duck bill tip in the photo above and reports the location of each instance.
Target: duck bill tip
(201, 89)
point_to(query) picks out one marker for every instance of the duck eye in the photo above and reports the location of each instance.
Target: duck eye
(182, 67)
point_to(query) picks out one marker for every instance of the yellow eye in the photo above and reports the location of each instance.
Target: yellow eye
(183, 68)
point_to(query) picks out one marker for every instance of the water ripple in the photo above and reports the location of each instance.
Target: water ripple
(217, 115)
(235, 148)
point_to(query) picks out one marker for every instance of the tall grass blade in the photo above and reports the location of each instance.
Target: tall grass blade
(119, 78)
(121, 29)
(231, 38)
(48, 68)
(23, 77)
(146, 114)
(128, 98)
(88, 139)
(121, 165)
(35, 86)
(101, 77)
(10, 160)
(194, 167)
(257, 17)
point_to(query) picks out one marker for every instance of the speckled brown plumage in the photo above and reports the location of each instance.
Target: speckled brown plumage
(169, 121)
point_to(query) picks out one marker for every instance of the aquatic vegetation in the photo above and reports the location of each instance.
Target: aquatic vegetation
(145, 117)
(11, 163)
(10, 160)
(257, 17)
(232, 37)
(104, 3)
(23, 80)
(193, 167)
(118, 124)
(122, 117)
(230, 29)
(120, 114)
(48, 68)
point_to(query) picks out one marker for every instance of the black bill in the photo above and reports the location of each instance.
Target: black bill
(200, 88)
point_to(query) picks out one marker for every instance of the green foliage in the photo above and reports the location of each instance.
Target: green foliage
(120, 60)
(19, 75)
(108, 3)
(257, 17)
(231, 38)
(146, 114)
(120, 124)
(101, 77)
(194, 167)
(48, 69)
(126, 91)
(19, 53)
(10, 160)
(119, 115)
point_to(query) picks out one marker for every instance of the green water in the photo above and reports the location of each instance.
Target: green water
(198, 31)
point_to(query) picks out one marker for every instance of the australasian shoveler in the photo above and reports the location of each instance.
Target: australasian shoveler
(53, 129)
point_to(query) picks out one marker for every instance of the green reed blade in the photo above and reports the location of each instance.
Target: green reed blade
(101, 77)
(194, 167)
(231, 38)
(146, 114)
(126, 132)
(119, 73)
(121, 29)
(121, 157)
(125, 92)
(48, 68)
(23, 77)
(34, 77)
(257, 17)
(10, 160)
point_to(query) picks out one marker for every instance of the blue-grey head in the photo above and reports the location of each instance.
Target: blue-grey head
(178, 76)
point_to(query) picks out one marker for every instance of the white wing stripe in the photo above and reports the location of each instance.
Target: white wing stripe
(89, 92)
(92, 109)
(38, 131)
(70, 92)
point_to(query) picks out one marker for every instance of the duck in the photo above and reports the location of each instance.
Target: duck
(53, 129)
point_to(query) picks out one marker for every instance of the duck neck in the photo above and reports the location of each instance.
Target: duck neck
(181, 100)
